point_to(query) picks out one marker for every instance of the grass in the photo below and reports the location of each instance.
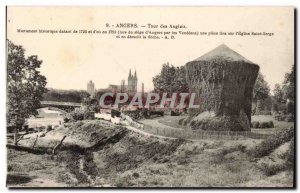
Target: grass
(278, 125)
(142, 161)
(26, 169)
(172, 121)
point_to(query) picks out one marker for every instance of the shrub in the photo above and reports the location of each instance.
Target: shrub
(49, 128)
(268, 124)
(76, 116)
(289, 118)
(272, 142)
(136, 114)
(283, 117)
(271, 124)
(289, 155)
(81, 115)
(89, 115)
(290, 107)
(264, 125)
(180, 122)
(175, 113)
(136, 175)
(66, 119)
(271, 169)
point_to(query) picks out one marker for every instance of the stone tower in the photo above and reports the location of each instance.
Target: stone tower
(143, 91)
(91, 88)
(223, 81)
(123, 86)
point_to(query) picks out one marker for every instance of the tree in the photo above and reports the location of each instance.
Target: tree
(289, 85)
(261, 91)
(25, 84)
(278, 94)
(75, 96)
(171, 79)
(261, 88)
(289, 90)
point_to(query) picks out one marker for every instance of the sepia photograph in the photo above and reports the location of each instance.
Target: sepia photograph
(150, 97)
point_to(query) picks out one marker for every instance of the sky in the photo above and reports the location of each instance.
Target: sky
(71, 60)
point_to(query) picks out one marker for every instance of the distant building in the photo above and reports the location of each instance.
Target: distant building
(130, 88)
(91, 88)
(132, 82)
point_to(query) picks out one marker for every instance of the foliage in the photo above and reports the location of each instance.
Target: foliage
(290, 155)
(286, 92)
(271, 143)
(278, 94)
(290, 107)
(79, 115)
(171, 79)
(284, 117)
(264, 124)
(261, 88)
(91, 104)
(271, 169)
(65, 95)
(25, 84)
(289, 85)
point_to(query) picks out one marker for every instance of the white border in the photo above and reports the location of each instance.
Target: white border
(108, 3)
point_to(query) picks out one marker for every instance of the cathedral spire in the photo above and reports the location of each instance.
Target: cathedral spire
(135, 73)
(129, 72)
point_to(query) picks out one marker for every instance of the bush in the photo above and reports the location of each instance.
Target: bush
(135, 114)
(81, 115)
(89, 115)
(264, 125)
(271, 169)
(77, 116)
(175, 113)
(267, 124)
(66, 119)
(136, 175)
(49, 128)
(271, 124)
(268, 145)
(290, 107)
(289, 118)
(289, 155)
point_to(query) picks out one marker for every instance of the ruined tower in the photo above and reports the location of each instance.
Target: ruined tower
(223, 81)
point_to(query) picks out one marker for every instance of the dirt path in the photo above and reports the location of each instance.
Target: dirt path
(146, 133)
(156, 123)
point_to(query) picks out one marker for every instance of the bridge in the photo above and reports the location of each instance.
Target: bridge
(67, 106)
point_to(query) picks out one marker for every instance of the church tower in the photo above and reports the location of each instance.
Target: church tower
(132, 82)
(135, 81)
